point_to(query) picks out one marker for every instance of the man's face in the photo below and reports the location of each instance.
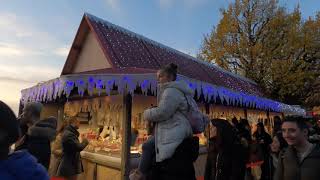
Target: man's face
(293, 134)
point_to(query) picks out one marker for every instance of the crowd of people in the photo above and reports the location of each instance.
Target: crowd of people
(37, 149)
(234, 152)
(33, 148)
(291, 153)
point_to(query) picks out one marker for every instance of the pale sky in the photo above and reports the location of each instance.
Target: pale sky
(35, 37)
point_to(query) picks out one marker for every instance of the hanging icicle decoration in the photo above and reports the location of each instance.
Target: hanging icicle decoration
(99, 86)
(53, 89)
(80, 83)
(69, 85)
(91, 85)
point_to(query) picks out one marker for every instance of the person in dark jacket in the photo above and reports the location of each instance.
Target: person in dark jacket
(314, 136)
(278, 145)
(317, 126)
(30, 115)
(71, 164)
(36, 134)
(301, 160)
(19, 165)
(226, 154)
(246, 140)
(262, 137)
(40, 136)
(263, 140)
(276, 125)
(244, 131)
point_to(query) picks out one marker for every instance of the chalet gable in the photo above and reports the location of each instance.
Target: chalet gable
(90, 57)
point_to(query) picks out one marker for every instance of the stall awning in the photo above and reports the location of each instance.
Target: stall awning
(62, 86)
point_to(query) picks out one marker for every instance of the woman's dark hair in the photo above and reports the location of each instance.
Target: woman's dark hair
(226, 135)
(9, 126)
(171, 70)
(299, 120)
(282, 141)
(72, 120)
(277, 118)
(62, 126)
(235, 121)
(244, 122)
(243, 131)
(276, 124)
(261, 126)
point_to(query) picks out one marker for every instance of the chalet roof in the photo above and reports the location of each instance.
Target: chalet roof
(133, 61)
(126, 49)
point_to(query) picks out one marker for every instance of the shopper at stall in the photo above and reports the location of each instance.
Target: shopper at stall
(262, 137)
(235, 123)
(19, 165)
(40, 135)
(255, 160)
(277, 125)
(317, 126)
(314, 133)
(71, 164)
(243, 132)
(278, 145)
(264, 140)
(171, 125)
(30, 114)
(37, 134)
(225, 159)
(56, 150)
(301, 160)
(246, 141)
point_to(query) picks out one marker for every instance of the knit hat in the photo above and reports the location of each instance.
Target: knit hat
(9, 126)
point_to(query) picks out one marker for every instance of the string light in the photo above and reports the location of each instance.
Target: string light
(53, 89)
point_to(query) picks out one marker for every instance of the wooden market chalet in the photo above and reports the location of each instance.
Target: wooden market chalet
(109, 65)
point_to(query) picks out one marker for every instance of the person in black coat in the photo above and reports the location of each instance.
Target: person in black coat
(263, 140)
(30, 115)
(262, 137)
(36, 134)
(71, 164)
(40, 135)
(276, 125)
(245, 130)
(226, 155)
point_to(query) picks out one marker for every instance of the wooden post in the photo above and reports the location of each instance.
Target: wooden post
(207, 107)
(245, 113)
(268, 115)
(126, 136)
(269, 123)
